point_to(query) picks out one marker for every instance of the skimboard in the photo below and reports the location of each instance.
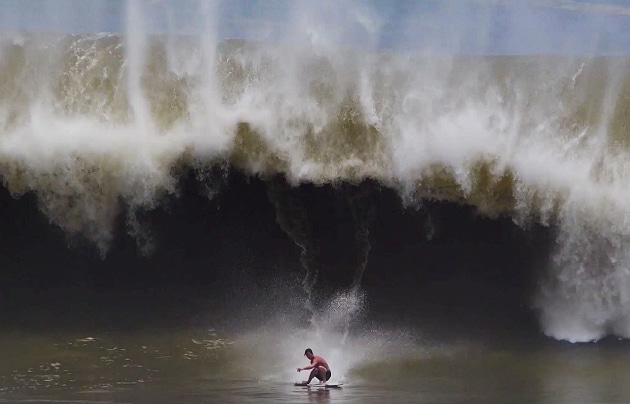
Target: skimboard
(320, 386)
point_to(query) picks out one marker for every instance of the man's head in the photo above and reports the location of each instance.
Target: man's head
(309, 353)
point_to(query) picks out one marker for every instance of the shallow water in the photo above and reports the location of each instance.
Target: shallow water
(200, 366)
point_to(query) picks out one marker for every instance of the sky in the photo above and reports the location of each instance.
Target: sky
(449, 26)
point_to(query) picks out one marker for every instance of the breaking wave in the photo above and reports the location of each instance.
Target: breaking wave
(102, 125)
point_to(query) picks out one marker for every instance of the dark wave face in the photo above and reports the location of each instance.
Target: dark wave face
(355, 157)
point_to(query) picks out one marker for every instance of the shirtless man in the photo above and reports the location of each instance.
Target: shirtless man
(320, 367)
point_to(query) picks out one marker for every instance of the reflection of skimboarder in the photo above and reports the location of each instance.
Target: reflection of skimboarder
(320, 367)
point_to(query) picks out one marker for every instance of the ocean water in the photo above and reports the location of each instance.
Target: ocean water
(443, 219)
(199, 366)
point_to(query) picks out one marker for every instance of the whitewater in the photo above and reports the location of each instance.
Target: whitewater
(102, 125)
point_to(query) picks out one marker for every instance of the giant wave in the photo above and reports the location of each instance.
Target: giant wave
(102, 125)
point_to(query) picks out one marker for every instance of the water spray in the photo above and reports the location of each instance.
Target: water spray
(363, 211)
(292, 217)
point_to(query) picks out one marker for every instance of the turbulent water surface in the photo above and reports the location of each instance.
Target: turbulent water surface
(183, 214)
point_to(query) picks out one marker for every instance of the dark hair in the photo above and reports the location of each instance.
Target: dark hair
(308, 350)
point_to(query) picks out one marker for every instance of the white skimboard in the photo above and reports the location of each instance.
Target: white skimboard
(320, 386)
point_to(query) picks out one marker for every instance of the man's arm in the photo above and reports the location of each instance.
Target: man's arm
(306, 367)
(311, 366)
